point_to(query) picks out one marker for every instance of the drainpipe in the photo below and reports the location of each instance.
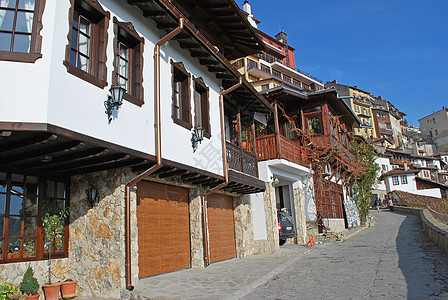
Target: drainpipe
(225, 167)
(158, 141)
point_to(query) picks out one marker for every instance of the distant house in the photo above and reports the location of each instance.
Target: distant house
(407, 181)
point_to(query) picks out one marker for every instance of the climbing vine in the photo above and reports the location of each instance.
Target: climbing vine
(366, 176)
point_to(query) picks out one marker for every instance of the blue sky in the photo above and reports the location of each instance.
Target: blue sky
(394, 48)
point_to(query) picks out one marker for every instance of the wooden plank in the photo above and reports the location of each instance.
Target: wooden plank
(164, 233)
(221, 227)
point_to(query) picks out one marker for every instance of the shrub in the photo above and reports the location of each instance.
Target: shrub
(29, 284)
(9, 291)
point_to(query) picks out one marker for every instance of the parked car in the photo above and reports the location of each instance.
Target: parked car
(285, 226)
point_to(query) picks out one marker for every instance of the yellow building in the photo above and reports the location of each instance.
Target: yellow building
(360, 103)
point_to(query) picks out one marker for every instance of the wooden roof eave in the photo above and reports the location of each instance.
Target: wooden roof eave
(210, 53)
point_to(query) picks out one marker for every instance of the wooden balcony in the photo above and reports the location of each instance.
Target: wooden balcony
(242, 161)
(267, 149)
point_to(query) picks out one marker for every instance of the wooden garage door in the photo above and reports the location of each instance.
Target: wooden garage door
(221, 227)
(163, 228)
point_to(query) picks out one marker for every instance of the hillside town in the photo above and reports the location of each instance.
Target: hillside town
(157, 136)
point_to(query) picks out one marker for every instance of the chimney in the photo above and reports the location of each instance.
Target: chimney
(247, 8)
(380, 97)
(250, 17)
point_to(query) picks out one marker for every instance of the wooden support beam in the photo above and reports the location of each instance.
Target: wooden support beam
(85, 162)
(277, 131)
(41, 152)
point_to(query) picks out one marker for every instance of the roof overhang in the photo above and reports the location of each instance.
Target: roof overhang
(166, 15)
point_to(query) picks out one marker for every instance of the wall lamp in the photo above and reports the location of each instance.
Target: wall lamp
(275, 181)
(115, 99)
(197, 136)
(92, 195)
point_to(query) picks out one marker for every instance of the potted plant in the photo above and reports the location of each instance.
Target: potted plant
(29, 285)
(68, 289)
(53, 224)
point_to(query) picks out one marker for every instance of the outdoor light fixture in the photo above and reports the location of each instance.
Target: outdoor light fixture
(275, 181)
(115, 99)
(197, 136)
(92, 195)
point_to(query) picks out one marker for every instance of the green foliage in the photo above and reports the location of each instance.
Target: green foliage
(29, 284)
(9, 291)
(53, 224)
(366, 176)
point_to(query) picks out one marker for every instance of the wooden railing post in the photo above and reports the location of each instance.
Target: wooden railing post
(277, 131)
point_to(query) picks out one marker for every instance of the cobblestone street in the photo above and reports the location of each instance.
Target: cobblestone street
(394, 259)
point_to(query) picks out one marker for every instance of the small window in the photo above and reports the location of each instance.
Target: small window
(296, 82)
(20, 25)
(395, 180)
(85, 55)
(180, 109)
(265, 87)
(252, 64)
(314, 123)
(128, 63)
(201, 106)
(287, 78)
(265, 69)
(436, 131)
(276, 74)
(404, 179)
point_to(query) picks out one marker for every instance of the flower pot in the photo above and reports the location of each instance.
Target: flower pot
(33, 297)
(68, 289)
(51, 291)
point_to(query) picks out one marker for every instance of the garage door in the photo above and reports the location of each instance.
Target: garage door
(163, 228)
(221, 227)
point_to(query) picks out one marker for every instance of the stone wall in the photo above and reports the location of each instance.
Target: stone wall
(270, 208)
(299, 208)
(96, 239)
(196, 232)
(243, 226)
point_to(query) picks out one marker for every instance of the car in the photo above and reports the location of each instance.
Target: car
(285, 227)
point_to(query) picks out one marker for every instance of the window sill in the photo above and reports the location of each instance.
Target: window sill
(84, 75)
(133, 100)
(20, 56)
(184, 124)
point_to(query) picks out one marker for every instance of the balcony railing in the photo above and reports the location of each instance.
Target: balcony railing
(267, 149)
(241, 160)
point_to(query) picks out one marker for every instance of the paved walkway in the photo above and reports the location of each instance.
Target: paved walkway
(394, 259)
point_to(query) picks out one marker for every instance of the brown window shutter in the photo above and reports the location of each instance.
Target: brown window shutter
(205, 111)
(185, 95)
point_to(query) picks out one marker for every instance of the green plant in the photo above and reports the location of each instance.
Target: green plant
(29, 284)
(9, 291)
(367, 170)
(53, 224)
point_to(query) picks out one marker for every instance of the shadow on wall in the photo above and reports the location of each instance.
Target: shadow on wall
(423, 263)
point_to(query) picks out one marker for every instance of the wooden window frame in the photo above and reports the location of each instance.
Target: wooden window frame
(200, 85)
(41, 196)
(177, 71)
(404, 179)
(91, 9)
(308, 116)
(124, 32)
(395, 180)
(36, 39)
